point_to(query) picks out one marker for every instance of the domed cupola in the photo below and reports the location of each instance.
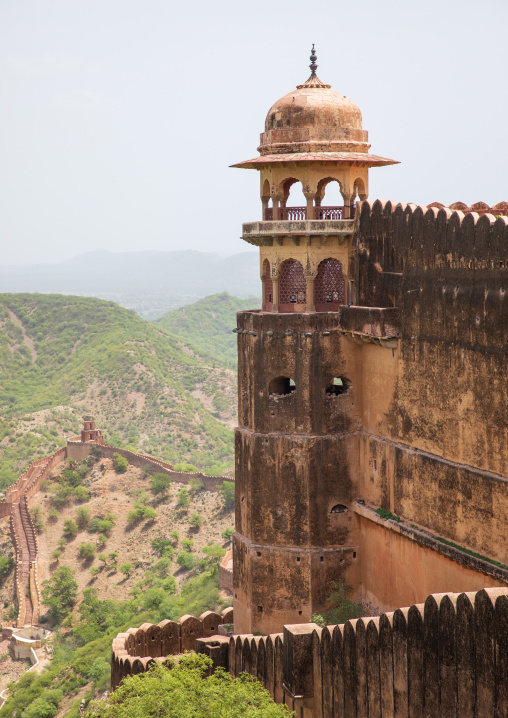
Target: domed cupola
(313, 118)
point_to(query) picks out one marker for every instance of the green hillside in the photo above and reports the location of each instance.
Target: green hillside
(206, 325)
(62, 356)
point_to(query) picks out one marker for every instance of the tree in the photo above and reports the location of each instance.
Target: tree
(226, 492)
(182, 499)
(60, 592)
(185, 559)
(126, 568)
(120, 463)
(160, 484)
(163, 692)
(113, 556)
(214, 555)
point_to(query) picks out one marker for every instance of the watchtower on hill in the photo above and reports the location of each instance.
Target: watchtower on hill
(296, 401)
(89, 432)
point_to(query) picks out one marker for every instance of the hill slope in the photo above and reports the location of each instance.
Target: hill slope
(62, 356)
(206, 325)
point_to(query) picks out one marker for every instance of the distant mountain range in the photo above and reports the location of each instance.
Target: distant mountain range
(150, 283)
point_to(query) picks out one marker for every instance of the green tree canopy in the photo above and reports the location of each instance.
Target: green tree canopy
(183, 691)
(60, 592)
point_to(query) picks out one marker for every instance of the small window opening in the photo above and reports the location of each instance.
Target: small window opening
(321, 558)
(258, 553)
(298, 559)
(281, 386)
(260, 609)
(354, 554)
(299, 613)
(338, 386)
(338, 509)
(375, 465)
(391, 300)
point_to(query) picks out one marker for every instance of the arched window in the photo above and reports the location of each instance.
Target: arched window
(292, 287)
(268, 287)
(329, 287)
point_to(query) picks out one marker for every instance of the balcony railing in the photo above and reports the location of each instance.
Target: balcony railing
(299, 213)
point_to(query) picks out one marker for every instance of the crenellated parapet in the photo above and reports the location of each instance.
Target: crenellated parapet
(135, 650)
(446, 656)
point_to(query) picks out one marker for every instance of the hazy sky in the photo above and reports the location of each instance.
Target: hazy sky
(119, 118)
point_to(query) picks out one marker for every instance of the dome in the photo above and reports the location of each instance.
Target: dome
(313, 118)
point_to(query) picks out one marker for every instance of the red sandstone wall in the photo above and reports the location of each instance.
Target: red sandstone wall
(78, 450)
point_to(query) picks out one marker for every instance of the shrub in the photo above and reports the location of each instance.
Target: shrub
(94, 570)
(195, 521)
(113, 556)
(126, 568)
(196, 485)
(187, 544)
(53, 515)
(185, 468)
(169, 584)
(140, 512)
(185, 559)
(162, 567)
(6, 563)
(160, 484)
(81, 494)
(343, 609)
(56, 554)
(227, 534)
(37, 519)
(102, 557)
(120, 463)
(227, 494)
(174, 535)
(102, 538)
(87, 551)
(70, 528)
(83, 517)
(182, 499)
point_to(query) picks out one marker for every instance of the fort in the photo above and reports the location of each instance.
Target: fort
(372, 434)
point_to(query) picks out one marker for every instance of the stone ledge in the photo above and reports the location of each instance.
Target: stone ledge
(427, 539)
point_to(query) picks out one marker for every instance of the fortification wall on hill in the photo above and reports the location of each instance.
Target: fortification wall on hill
(76, 449)
(445, 657)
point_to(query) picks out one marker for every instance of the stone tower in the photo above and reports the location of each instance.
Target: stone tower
(298, 374)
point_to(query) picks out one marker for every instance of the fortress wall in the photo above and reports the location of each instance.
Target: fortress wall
(133, 651)
(78, 450)
(396, 568)
(446, 656)
(436, 455)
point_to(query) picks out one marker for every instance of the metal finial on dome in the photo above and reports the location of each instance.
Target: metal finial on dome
(313, 80)
(313, 58)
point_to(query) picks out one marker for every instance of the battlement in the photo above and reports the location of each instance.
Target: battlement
(446, 656)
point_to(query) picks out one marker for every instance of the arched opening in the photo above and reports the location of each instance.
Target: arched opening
(330, 286)
(338, 509)
(292, 287)
(338, 386)
(359, 189)
(265, 200)
(268, 307)
(297, 205)
(281, 386)
(333, 207)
